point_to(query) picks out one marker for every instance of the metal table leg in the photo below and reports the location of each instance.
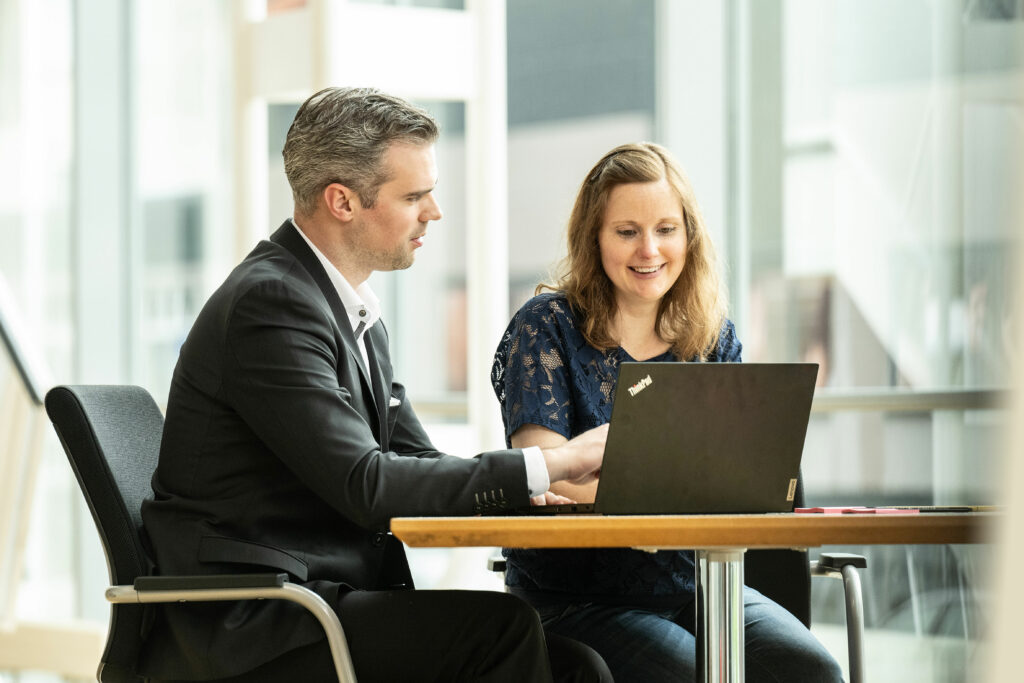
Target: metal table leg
(720, 635)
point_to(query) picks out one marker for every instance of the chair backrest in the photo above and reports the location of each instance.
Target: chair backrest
(783, 575)
(111, 435)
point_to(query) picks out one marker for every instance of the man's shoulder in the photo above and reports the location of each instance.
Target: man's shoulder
(266, 263)
(267, 260)
(268, 277)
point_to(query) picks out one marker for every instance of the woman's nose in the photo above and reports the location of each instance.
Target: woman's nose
(648, 245)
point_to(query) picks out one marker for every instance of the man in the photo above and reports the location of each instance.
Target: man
(288, 447)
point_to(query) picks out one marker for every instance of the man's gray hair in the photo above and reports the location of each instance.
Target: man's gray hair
(340, 135)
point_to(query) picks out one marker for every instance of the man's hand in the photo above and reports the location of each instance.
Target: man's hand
(549, 498)
(578, 460)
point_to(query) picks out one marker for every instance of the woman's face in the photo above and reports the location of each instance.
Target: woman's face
(642, 241)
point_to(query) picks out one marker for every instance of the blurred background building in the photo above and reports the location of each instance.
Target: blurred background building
(858, 163)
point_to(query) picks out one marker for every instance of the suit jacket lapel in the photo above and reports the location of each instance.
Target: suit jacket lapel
(374, 339)
(289, 238)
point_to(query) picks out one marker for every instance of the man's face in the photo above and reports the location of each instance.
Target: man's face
(386, 236)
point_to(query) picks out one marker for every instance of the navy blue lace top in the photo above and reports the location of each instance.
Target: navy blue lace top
(545, 373)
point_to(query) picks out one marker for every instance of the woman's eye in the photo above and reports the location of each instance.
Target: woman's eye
(667, 229)
(626, 232)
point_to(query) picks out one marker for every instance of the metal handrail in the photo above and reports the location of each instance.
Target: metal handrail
(908, 400)
(31, 370)
(881, 399)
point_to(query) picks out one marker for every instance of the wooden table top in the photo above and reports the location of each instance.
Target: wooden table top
(696, 531)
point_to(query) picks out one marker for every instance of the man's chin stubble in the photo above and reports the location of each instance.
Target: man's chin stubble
(403, 262)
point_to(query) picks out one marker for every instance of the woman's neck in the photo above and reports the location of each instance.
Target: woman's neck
(634, 328)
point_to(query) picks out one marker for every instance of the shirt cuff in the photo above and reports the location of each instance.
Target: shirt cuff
(537, 479)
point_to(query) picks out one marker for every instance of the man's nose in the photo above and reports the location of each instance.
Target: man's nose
(432, 212)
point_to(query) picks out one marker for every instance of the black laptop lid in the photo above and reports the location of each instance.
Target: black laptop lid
(706, 438)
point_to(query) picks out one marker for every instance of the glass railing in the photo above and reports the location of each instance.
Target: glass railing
(880, 447)
(28, 371)
(23, 382)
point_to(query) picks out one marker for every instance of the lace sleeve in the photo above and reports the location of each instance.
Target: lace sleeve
(729, 348)
(530, 374)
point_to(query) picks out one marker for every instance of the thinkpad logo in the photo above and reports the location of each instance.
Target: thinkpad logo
(640, 386)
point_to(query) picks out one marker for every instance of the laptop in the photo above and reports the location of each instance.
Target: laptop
(698, 438)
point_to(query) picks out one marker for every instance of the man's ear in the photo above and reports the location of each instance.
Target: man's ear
(340, 201)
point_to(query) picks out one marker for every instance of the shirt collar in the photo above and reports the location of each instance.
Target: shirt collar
(361, 304)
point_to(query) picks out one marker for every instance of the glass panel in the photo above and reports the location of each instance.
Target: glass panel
(925, 607)
(35, 179)
(182, 171)
(899, 183)
(276, 6)
(899, 228)
(900, 174)
(580, 82)
(436, 4)
(36, 145)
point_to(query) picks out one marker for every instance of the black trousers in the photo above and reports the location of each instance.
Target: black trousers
(426, 635)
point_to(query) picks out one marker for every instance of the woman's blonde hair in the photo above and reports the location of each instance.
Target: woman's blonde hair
(691, 313)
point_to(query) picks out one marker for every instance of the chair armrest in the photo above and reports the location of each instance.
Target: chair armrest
(844, 566)
(209, 582)
(839, 560)
(229, 587)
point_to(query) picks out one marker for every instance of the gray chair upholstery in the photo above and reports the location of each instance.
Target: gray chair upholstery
(111, 435)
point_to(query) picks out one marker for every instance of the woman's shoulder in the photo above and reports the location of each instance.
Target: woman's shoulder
(728, 348)
(550, 307)
(538, 334)
(544, 324)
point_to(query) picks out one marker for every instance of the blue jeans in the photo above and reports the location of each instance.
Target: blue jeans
(649, 645)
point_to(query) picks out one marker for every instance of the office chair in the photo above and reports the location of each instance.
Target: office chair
(785, 577)
(111, 435)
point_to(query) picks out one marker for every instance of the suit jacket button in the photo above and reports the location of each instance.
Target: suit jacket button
(378, 539)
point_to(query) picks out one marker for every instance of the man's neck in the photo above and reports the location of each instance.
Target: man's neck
(324, 234)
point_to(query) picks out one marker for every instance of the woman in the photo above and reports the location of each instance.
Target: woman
(640, 282)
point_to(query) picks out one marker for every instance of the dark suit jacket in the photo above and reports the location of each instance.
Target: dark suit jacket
(282, 453)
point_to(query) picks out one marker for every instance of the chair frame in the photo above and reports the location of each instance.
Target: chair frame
(145, 589)
(844, 566)
(229, 587)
